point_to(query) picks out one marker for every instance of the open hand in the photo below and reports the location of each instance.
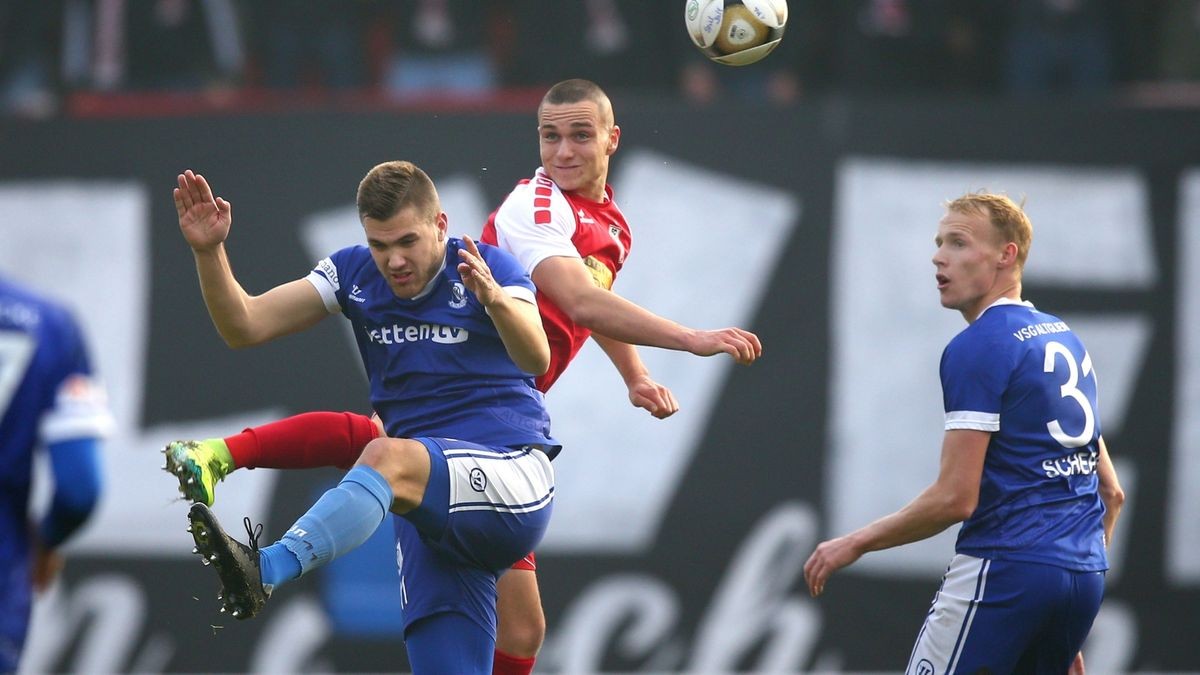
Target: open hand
(203, 219)
(829, 557)
(476, 274)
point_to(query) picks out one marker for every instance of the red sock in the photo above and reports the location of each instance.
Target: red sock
(507, 664)
(304, 441)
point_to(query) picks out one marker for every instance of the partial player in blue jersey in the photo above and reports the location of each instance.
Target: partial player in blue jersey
(451, 339)
(1023, 467)
(48, 399)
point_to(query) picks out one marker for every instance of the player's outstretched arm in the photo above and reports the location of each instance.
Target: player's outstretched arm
(568, 284)
(517, 321)
(241, 319)
(1110, 492)
(951, 499)
(204, 219)
(644, 392)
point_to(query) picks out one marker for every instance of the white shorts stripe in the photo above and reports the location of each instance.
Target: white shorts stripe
(940, 642)
(520, 481)
(980, 585)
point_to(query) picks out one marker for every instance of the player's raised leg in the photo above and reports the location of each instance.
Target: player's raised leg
(304, 441)
(341, 520)
(199, 466)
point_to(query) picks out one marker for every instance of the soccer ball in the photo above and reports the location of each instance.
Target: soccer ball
(736, 32)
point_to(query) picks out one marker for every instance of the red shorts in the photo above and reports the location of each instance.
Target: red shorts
(526, 563)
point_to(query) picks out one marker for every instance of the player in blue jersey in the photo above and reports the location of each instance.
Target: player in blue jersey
(48, 399)
(1023, 464)
(451, 339)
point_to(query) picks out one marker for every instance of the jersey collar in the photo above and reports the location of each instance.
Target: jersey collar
(437, 276)
(1007, 301)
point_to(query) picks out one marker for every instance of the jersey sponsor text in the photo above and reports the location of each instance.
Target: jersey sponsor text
(398, 334)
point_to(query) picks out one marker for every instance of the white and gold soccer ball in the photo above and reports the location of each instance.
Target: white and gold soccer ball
(736, 32)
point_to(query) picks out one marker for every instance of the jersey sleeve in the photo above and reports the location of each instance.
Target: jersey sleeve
(80, 408)
(508, 272)
(975, 373)
(326, 279)
(535, 222)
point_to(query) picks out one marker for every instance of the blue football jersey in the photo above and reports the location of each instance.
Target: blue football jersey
(436, 364)
(47, 395)
(1024, 376)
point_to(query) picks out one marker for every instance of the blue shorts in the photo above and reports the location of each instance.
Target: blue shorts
(999, 616)
(484, 509)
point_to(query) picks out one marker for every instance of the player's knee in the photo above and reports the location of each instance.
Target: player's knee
(405, 465)
(521, 635)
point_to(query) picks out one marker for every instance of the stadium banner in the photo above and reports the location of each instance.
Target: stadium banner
(676, 545)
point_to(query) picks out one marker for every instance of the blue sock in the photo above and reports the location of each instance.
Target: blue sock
(341, 520)
(278, 564)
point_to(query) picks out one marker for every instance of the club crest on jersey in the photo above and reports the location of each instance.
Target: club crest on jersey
(615, 233)
(458, 295)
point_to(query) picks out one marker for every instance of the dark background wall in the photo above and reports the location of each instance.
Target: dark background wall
(752, 496)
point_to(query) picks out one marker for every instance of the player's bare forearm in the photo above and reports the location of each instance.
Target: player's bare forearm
(244, 320)
(951, 499)
(520, 329)
(1110, 492)
(624, 358)
(570, 286)
(932, 511)
(609, 315)
(644, 392)
(928, 514)
(223, 296)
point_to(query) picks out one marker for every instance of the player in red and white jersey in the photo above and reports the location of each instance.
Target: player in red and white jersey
(539, 221)
(564, 227)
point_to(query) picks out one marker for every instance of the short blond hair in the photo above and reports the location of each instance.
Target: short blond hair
(1007, 217)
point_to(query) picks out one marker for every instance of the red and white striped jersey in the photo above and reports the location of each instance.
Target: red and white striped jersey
(537, 221)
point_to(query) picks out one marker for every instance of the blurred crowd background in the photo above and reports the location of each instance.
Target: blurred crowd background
(237, 52)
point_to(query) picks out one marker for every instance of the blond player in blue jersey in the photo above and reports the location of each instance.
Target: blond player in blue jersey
(1024, 468)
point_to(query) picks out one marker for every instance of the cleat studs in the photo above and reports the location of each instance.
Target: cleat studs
(222, 609)
(195, 550)
(237, 613)
(213, 557)
(189, 528)
(205, 562)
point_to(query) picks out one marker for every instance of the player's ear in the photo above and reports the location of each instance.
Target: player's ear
(443, 223)
(614, 139)
(1008, 254)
